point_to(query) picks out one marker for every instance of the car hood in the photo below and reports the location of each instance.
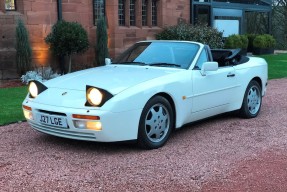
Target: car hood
(112, 78)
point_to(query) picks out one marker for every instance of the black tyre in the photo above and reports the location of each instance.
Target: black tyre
(251, 104)
(156, 123)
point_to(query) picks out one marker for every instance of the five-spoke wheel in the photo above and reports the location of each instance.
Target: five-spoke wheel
(252, 100)
(156, 123)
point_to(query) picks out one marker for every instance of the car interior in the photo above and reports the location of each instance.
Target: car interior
(228, 57)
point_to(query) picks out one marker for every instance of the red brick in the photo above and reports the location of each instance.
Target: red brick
(86, 19)
(42, 17)
(44, 6)
(8, 31)
(80, 1)
(72, 17)
(70, 7)
(27, 6)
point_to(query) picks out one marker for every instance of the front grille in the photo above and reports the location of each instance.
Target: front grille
(62, 132)
(52, 113)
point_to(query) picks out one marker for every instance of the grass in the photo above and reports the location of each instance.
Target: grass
(277, 65)
(12, 98)
(11, 104)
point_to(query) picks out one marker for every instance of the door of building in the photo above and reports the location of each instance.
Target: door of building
(201, 14)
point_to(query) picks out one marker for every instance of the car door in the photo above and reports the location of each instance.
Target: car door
(213, 92)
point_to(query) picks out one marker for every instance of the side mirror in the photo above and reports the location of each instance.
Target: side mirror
(208, 66)
(108, 61)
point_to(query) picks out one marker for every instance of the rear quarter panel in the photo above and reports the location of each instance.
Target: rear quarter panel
(254, 68)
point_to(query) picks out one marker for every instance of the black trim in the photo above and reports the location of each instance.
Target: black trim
(40, 86)
(59, 10)
(15, 6)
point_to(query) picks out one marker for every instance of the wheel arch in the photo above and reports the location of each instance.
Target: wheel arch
(258, 80)
(171, 102)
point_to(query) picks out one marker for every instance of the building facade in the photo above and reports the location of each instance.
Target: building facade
(128, 21)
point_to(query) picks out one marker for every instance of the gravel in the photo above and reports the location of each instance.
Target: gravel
(225, 153)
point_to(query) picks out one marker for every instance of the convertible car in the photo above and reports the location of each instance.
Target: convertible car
(149, 90)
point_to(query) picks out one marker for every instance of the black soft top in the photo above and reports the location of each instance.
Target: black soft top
(227, 57)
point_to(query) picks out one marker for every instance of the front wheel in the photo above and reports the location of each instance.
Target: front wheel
(252, 100)
(156, 123)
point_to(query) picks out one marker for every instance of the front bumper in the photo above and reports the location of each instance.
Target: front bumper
(115, 126)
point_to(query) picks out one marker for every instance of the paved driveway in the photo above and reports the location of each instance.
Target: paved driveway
(225, 153)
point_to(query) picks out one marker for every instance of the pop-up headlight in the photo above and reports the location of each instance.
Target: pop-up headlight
(35, 88)
(96, 96)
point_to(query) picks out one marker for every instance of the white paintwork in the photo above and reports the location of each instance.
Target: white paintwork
(108, 61)
(113, 78)
(208, 66)
(194, 96)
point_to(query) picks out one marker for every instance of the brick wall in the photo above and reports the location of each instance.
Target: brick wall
(170, 12)
(40, 15)
(7, 44)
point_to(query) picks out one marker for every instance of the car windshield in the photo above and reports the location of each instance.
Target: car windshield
(161, 54)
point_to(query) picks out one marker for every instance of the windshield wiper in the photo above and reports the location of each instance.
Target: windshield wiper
(131, 62)
(165, 64)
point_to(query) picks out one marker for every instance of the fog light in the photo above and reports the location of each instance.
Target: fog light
(91, 125)
(28, 114)
(80, 124)
(94, 125)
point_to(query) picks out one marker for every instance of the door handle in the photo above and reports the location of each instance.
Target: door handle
(231, 75)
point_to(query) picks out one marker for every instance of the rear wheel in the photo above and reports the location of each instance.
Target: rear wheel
(156, 123)
(252, 100)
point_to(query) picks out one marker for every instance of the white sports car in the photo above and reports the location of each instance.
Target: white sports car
(149, 90)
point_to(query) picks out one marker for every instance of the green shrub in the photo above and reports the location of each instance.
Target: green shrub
(264, 41)
(199, 33)
(270, 41)
(102, 50)
(251, 38)
(236, 41)
(23, 49)
(67, 38)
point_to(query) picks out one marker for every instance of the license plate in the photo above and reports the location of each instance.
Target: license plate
(52, 120)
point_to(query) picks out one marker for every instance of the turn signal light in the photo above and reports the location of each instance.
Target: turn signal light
(27, 108)
(88, 117)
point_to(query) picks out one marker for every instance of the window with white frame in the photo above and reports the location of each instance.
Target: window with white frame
(132, 12)
(127, 10)
(99, 10)
(154, 5)
(121, 13)
(144, 12)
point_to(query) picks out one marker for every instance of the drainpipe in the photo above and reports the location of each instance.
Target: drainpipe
(59, 9)
(60, 17)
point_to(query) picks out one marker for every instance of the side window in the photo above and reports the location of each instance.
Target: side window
(202, 58)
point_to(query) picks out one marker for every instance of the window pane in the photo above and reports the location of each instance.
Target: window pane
(132, 13)
(99, 10)
(121, 12)
(179, 53)
(144, 12)
(10, 5)
(154, 13)
(253, 2)
(202, 58)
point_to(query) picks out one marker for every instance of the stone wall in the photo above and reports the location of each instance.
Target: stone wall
(170, 12)
(39, 16)
(8, 22)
